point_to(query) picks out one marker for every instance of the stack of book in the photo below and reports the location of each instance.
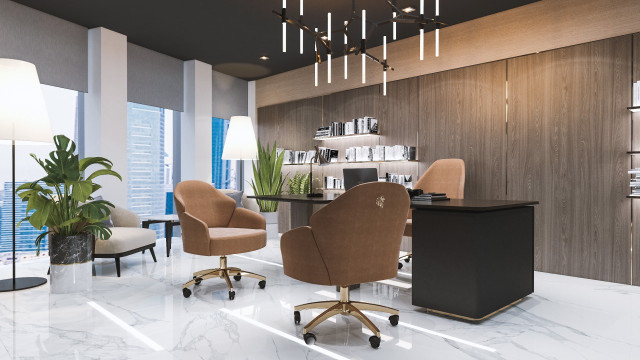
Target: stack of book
(364, 125)
(380, 153)
(635, 181)
(306, 157)
(430, 197)
(333, 183)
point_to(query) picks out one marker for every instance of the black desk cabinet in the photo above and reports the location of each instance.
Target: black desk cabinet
(470, 262)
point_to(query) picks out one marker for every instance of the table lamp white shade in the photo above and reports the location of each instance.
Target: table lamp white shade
(23, 114)
(240, 143)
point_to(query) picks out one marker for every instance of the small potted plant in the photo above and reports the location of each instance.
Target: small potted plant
(62, 203)
(268, 180)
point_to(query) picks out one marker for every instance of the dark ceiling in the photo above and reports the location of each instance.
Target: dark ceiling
(232, 34)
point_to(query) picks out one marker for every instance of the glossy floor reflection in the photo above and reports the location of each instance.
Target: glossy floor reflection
(143, 315)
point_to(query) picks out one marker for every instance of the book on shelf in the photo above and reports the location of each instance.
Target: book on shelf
(332, 183)
(364, 125)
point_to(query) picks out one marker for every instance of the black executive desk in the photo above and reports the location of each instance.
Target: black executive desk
(472, 258)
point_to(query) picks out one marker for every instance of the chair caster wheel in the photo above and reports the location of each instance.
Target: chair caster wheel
(262, 284)
(309, 338)
(198, 281)
(186, 292)
(232, 295)
(407, 259)
(296, 317)
(394, 319)
(374, 341)
(237, 277)
(399, 265)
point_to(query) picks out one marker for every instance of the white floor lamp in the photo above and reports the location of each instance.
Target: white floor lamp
(240, 143)
(23, 120)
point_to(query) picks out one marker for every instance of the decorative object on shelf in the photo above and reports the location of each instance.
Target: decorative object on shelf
(635, 181)
(332, 183)
(404, 180)
(323, 39)
(23, 118)
(300, 184)
(73, 218)
(268, 180)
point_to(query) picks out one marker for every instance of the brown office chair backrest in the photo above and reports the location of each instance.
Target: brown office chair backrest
(445, 176)
(358, 234)
(204, 202)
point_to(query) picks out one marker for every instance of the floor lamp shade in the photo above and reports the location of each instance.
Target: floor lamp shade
(240, 143)
(23, 113)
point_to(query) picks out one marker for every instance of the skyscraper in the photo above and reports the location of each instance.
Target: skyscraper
(145, 165)
(222, 171)
(25, 233)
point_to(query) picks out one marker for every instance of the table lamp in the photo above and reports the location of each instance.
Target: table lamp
(23, 120)
(240, 143)
(322, 161)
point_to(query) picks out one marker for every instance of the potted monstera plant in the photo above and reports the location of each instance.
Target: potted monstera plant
(61, 203)
(268, 180)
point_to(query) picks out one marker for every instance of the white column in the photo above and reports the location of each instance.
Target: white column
(105, 130)
(195, 129)
(252, 113)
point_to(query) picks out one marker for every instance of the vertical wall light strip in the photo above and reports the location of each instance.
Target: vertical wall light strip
(437, 28)
(421, 31)
(284, 26)
(345, 53)
(329, 52)
(394, 26)
(364, 37)
(301, 32)
(315, 47)
(384, 59)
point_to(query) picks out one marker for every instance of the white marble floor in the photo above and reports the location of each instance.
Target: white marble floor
(143, 315)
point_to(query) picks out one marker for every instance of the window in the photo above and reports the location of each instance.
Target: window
(62, 107)
(224, 173)
(149, 159)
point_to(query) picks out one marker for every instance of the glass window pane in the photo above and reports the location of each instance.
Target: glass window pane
(224, 172)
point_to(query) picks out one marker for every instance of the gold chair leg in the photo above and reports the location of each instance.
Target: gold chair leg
(315, 305)
(365, 320)
(251, 275)
(225, 276)
(374, 307)
(222, 272)
(332, 311)
(408, 255)
(202, 272)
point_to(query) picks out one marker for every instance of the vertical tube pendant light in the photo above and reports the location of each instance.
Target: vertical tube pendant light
(284, 26)
(437, 28)
(364, 37)
(329, 52)
(422, 30)
(394, 26)
(384, 60)
(315, 47)
(345, 51)
(301, 32)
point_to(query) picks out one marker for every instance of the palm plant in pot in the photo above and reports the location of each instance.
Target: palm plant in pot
(268, 180)
(62, 202)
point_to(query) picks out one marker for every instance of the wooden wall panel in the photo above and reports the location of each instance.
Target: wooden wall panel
(462, 115)
(569, 131)
(635, 211)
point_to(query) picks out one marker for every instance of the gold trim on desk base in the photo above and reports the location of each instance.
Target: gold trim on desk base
(470, 318)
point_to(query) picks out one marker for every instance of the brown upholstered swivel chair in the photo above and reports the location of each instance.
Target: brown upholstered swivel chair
(352, 240)
(443, 176)
(213, 226)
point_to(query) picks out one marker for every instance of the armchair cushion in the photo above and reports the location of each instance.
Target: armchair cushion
(226, 241)
(122, 217)
(125, 239)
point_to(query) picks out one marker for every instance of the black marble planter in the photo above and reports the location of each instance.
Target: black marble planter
(67, 250)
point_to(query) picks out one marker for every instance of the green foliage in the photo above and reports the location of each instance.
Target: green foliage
(267, 176)
(64, 210)
(300, 184)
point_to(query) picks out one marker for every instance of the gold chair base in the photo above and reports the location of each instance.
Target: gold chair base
(407, 256)
(223, 272)
(346, 307)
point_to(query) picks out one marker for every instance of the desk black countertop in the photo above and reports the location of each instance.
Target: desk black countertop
(471, 205)
(324, 199)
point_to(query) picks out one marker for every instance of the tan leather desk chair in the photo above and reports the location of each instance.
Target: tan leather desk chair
(213, 226)
(443, 176)
(352, 240)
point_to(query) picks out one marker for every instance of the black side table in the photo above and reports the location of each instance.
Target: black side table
(169, 222)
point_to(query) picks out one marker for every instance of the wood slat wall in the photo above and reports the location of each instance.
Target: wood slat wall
(568, 136)
(635, 210)
(562, 140)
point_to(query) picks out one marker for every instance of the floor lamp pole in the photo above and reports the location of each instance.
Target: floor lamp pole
(14, 283)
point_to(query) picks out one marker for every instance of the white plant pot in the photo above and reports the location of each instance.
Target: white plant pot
(272, 224)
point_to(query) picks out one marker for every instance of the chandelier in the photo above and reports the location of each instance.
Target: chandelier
(323, 39)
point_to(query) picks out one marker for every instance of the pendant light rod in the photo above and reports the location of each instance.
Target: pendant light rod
(301, 31)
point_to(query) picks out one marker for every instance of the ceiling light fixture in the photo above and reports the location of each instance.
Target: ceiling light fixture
(264, 58)
(322, 39)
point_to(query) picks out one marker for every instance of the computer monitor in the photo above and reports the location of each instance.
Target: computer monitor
(355, 177)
